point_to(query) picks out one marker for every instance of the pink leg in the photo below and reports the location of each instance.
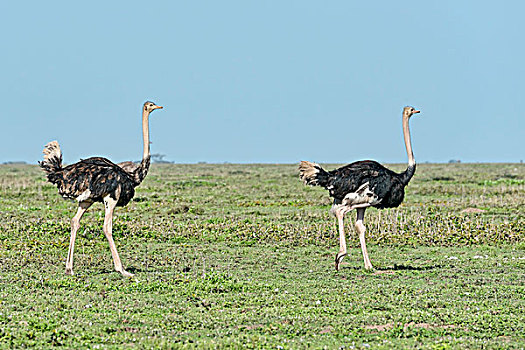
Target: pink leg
(75, 225)
(361, 229)
(340, 213)
(110, 205)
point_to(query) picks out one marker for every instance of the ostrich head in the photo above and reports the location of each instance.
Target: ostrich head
(409, 111)
(150, 106)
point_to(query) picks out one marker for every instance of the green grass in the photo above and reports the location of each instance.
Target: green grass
(242, 256)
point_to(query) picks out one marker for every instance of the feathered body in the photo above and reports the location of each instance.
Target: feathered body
(386, 188)
(129, 166)
(93, 179)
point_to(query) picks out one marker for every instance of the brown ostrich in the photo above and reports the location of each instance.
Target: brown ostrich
(360, 185)
(97, 179)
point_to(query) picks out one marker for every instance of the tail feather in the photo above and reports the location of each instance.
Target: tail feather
(313, 174)
(52, 158)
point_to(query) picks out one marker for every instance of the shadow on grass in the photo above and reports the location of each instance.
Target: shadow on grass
(134, 269)
(131, 269)
(408, 268)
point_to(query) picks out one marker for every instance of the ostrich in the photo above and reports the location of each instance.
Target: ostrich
(97, 179)
(360, 185)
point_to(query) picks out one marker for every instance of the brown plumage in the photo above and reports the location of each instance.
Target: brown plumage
(97, 179)
(128, 166)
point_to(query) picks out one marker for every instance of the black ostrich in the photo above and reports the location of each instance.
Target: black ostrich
(360, 185)
(97, 179)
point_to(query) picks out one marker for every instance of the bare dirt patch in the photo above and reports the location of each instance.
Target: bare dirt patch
(328, 329)
(387, 326)
(472, 210)
(387, 272)
(250, 327)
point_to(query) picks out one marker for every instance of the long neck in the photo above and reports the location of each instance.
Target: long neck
(143, 167)
(409, 172)
(145, 134)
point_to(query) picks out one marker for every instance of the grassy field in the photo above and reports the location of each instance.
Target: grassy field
(242, 255)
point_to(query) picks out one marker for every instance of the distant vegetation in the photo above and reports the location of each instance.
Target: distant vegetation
(14, 163)
(159, 158)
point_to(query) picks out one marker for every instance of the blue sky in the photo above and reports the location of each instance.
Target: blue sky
(264, 81)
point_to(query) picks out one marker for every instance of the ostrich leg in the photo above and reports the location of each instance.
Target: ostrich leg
(110, 205)
(75, 225)
(361, 229)
(339, 213)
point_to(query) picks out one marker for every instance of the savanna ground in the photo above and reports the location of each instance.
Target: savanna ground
(243, 255)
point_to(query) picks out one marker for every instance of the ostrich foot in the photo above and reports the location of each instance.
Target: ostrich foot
(338, 259)
(125, 273)
(69, 271)
(369, 267)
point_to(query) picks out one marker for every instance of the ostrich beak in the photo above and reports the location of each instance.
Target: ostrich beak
(414, 111)
(158, 107)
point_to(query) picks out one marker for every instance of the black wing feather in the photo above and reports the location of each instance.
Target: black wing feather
(383, 182)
